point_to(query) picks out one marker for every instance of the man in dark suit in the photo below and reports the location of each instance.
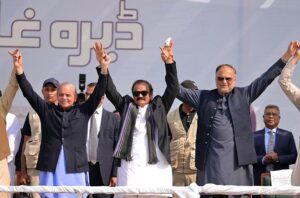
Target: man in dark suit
(276, 155)
(100, 148)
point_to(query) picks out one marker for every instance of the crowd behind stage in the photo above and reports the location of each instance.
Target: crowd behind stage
(69, 139)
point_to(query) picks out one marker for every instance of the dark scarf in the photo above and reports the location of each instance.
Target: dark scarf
(124, 146)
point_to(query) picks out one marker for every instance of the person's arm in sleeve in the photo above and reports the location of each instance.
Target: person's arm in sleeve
(37, 103)
(171, 78)
(113, 95)
(111, 91)
(9, 92)
(291, 155)
(189, 96)
(259, 85)
(104, 60)
(285, 80)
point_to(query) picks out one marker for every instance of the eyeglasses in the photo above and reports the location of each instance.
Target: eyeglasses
(221, 79)
(271, 114)
(138, 93)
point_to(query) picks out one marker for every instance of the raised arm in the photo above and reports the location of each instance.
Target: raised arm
(37, 103)
(104, 60)
(111, 92)
(189, 96)
(102, 57)
(256, 88)
(8, 94)
(171, 79)
(285, 79)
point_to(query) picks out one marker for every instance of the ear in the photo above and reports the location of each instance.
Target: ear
(75, 97)
(151, 96)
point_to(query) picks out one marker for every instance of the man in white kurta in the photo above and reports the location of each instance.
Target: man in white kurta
(138, 172)
(143, 148)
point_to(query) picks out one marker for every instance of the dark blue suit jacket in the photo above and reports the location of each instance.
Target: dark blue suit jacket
(108, 137)
(284, 147)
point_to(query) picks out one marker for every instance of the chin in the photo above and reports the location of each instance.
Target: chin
(141, 104)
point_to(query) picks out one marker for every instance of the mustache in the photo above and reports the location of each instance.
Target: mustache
(140, 98)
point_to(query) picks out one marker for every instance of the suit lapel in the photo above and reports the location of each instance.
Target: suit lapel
(278, 135)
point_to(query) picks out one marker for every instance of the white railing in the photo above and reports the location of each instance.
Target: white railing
(191, 191)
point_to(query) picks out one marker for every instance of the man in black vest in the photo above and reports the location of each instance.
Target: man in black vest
(224, 144)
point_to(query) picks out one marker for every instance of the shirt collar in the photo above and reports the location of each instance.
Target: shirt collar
(99, 110)
(267, 130)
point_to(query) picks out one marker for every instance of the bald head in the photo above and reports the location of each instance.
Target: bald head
(66, 95)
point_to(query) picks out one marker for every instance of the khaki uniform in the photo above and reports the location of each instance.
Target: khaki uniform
(5, 104)
(182, 149)
(32, 149)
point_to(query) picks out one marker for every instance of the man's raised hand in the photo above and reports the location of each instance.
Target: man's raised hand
(167, 54)
(101, 55)
(17, 60)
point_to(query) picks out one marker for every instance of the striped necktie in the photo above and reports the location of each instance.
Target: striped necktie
(270, 148)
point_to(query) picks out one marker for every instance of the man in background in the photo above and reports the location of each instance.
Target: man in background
(275, 147)
(102, 137)
(183, 127)
(32, 137)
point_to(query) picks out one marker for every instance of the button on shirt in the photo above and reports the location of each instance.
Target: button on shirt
(98, 116)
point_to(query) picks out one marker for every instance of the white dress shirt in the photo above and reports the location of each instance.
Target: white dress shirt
(98, 115)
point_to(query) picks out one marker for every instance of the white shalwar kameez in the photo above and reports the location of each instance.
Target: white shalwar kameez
(137, 172)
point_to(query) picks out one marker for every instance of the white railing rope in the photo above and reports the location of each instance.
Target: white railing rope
(191, 191)
(185, 192)
(250, 190)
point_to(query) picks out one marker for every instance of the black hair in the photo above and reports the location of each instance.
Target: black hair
(272, 106)
(145, 82)
(92, 84)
